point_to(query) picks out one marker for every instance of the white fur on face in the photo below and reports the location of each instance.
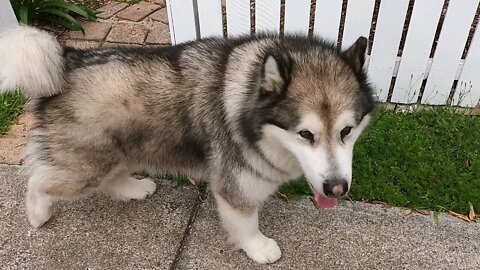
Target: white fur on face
(343, 152)
(328, 156)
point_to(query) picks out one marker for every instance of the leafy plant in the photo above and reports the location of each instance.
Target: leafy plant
(57, 12)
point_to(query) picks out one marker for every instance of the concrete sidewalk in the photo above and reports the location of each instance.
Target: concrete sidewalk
(174, 230)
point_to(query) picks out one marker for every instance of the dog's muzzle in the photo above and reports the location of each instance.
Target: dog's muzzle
(335, 188)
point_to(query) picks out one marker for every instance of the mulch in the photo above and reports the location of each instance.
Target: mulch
(93, 4)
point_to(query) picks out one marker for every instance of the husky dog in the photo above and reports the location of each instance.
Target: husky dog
(246, 114)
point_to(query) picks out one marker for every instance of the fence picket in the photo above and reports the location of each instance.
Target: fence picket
(267, 16)
(238, 17)
(297, 16)
(418, 44)
(210, 18)
(7, 17)
(449, 51)
(385, 45)
(357, 21)
(181, 21)
(467, 93)
(327, 19)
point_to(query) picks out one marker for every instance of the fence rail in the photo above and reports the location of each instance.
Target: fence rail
(420, 51)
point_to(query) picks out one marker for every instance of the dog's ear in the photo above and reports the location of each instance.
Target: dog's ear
(355, 55)
(276, 71)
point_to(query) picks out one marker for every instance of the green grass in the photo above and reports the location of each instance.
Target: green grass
(11, 105)
(422, 160)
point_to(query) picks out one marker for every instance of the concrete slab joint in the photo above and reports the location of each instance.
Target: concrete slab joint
(95, 232)
(351, 236)
(173, 229)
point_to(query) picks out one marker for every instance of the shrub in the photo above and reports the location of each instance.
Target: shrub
(56, 12)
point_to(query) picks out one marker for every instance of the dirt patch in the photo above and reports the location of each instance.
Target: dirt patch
(12, 145)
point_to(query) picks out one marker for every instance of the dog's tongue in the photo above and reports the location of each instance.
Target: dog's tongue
(322, 201)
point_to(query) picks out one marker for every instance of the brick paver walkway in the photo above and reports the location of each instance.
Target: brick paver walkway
(118, 24)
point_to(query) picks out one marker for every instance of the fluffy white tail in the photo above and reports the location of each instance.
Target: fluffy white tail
(30, 61)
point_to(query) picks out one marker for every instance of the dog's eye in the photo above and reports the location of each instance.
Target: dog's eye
(345, 132)
(306, 135)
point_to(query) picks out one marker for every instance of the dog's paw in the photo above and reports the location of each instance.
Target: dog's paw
(38, 209)
(142, 188)
(262, 249)
(37, 219)
(131, 188)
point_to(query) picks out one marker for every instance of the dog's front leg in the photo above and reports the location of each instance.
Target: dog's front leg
(241, 224)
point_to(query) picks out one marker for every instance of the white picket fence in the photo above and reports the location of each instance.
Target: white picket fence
(398, 79)
(193, 19)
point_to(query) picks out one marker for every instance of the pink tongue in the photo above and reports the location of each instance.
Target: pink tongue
(322, 201)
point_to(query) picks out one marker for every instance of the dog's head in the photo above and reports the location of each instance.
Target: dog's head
(313, 103)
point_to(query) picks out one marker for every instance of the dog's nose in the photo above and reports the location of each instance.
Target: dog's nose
(335, 187)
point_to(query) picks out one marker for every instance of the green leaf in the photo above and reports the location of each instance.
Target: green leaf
(24, 14)
(58, 4)
(91, 12)
(72, 24)
(62, 22)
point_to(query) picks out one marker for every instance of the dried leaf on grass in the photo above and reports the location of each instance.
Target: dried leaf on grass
(283, 197)
(459, 216)
(199, 193)
(192, 182)
(350, 199)
(406, 212)
(376, 202)
(468, 164)
(423, 212)
(365, 200)
(471, 214)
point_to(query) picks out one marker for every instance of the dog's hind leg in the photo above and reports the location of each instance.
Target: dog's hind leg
(48, 184)
(125, 187)
(38, 203)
